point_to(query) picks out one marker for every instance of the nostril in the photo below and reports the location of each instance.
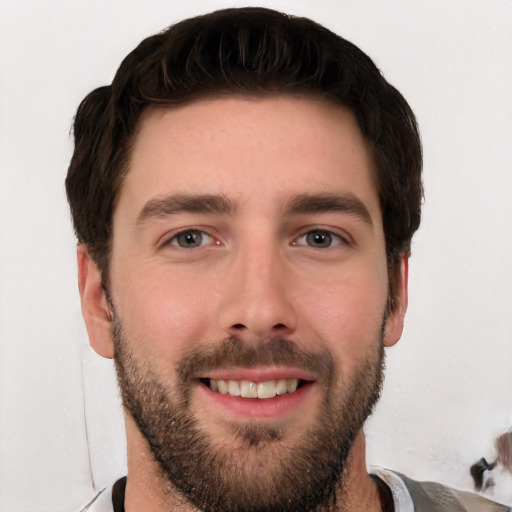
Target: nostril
(279, 327)
(239, 327)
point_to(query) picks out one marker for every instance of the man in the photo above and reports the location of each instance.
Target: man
(244, 196)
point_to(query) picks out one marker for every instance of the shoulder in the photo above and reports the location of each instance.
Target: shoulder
(447, 498)
(435, 497)
(100, 502)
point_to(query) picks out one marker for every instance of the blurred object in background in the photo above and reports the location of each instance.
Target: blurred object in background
(504, 448)
(481, 470)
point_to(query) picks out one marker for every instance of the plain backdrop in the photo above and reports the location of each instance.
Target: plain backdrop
(448, 389)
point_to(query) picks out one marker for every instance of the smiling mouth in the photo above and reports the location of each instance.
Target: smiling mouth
(250, 389)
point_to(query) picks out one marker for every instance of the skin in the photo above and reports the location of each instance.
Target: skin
(255, 274)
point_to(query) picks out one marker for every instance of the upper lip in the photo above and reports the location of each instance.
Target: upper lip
(259, 374)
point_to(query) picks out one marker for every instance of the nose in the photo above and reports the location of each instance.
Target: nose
(256, 301)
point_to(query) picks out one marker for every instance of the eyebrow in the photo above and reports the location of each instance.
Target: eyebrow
(328, 202)
(185, 203)
(162, 207)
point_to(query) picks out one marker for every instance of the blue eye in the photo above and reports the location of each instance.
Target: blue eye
(190, 239)
(318, 239)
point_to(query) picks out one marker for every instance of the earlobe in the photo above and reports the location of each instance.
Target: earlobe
(395, 320)
(95, 308)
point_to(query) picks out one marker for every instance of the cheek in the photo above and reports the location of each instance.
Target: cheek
(164, 314)
(347, 313)
(343, 294)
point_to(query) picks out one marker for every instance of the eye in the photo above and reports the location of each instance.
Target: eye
(191, 239)
(319, 239)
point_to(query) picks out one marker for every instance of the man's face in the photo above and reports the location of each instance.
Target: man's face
(249, 258)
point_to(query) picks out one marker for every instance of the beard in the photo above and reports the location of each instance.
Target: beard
(260, 469)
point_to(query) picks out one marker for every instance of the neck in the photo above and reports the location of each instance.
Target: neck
(360, 492)
(148, 490)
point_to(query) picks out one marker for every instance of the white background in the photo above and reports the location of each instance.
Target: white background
(448, 390)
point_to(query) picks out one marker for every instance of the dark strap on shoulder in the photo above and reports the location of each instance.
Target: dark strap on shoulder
(118, 495)
(386, 496)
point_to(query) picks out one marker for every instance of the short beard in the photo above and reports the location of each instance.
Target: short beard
(259, 471)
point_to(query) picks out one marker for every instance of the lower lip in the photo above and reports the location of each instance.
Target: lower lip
(258, 407)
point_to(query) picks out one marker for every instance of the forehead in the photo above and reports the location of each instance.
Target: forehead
(253, 149)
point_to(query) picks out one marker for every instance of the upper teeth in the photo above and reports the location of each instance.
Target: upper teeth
(249, 389)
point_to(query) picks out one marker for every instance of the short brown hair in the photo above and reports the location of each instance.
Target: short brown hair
(253, 51)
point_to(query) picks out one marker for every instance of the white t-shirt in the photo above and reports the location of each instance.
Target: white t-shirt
(425, 497)
(102, 501)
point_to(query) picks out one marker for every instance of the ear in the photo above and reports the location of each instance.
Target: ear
(95, 308)
(395, 320)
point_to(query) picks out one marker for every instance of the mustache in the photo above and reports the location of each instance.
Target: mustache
(235, 352)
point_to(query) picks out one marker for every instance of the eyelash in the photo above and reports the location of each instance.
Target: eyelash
(334, 239)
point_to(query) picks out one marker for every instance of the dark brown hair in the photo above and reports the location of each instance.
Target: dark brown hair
(251, 51)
